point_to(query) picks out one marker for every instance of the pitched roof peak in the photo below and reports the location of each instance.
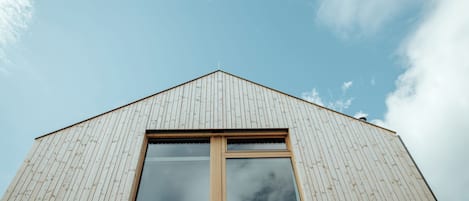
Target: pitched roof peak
(203, 77)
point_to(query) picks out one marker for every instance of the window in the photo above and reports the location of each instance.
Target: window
(217, 166)
(173, 167)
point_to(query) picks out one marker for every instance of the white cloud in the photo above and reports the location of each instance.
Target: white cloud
(340, 104)
(313, 97)
(346, 86)
(358, 16)
(430, 107)
(378, 122)
(14, 17)
(360, 114)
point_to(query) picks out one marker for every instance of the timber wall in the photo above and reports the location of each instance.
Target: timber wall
(337, 157)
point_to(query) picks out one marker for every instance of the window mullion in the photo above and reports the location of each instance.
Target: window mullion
(223, 168)
(216, 168)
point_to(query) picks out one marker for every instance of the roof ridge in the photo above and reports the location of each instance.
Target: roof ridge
(200, 77)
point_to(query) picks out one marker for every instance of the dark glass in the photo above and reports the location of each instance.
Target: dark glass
(176, 170)
(257, 144)
(260, 179)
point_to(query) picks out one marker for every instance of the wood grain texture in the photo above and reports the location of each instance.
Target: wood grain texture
(336, 157)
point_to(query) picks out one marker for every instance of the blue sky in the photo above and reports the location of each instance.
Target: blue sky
(400, 62)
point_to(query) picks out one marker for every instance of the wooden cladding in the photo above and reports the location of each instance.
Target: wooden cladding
(336, 156)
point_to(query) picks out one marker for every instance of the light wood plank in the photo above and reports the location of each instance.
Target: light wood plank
(336, 157)
(21, 172)
(111, 155)
(133, 157)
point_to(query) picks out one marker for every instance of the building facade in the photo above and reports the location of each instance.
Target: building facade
(220, 138)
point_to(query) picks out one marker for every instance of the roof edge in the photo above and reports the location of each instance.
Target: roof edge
(418, 169)
(346, 115)
(117, 108)
(168, 89)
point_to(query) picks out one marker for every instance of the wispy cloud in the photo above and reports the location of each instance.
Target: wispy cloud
(312, 96)
(361, 17)
(360, 114)
(339, 104)
(430, 107)
(346, 86)
(378, 122)
(14, 17)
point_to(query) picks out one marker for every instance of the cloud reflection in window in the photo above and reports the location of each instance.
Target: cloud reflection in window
(260, 179)
(176, 172)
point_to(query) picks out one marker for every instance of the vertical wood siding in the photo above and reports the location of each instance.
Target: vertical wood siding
(337, 157)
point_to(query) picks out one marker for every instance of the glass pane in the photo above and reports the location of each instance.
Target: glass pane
(260, 179)
(176, 170)
(257, 144)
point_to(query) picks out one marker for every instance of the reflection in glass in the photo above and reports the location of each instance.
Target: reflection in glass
(260, 179)
(176, 170)
(257, 144)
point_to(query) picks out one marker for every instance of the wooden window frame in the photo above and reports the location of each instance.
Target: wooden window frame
(219, 154)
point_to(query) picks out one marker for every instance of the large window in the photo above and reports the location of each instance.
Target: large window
(217, 166)
(176, 169)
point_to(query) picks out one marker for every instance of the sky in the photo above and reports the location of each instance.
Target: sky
(401, 63)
